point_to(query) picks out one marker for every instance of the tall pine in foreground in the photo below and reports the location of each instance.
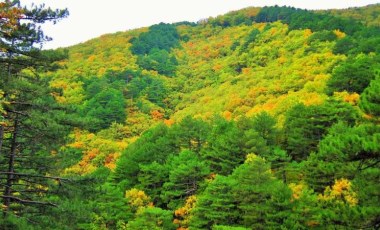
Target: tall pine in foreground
(31, 121)
(249, 197)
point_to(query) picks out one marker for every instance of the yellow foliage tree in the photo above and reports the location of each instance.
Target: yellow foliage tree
(137, 199)
(183, 214)
(97, 150)
(340, 192)
(339, 34)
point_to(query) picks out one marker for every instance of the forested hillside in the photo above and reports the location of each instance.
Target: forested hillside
(368, 15)
(263, 118)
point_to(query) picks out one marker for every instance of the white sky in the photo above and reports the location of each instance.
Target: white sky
(92, 18)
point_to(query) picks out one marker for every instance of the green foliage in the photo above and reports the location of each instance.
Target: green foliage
(364, 41)
(249, 197)
(216, 205)
(154, 145)
(186, 173)
(258, 194)
(32, 124)
(147, 86)
(256, 135)
(224, 227)
(81, 202)
(366, 187)
(354, 75)
(305, 126)
(345, 45)
(191, 133)
(305, 210)
(202, 99)
(250, 39)
(111, 207)
(105, 108)
(324, 35)
(224, 151)
(299, 19)
(161, 36)
(345, 149)
(12, 222)
(153, 48)
(152, 218)
(265, 125)
(370, 98)
(159, 60)
(367, 14)
(235, 18)
(151, 179)
(105, 103)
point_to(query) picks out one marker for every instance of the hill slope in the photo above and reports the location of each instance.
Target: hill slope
(258, 118)
(368, 15)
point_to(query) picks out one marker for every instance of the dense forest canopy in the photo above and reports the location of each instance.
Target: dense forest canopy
(262, 118)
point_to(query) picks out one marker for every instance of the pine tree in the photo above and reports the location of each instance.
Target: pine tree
(192, 133)
(224, 151)
(152, 218)
(186, 173)
(265, 125)
(216, 205)
(31, 117)
(343, 151)
(354, 75)
(151, 179)
(370, 98)
(155, 145)
(253, 191)
(305, 126)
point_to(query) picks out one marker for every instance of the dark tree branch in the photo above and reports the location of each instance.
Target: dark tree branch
(19, 200)
(29, 191)
(369, 166)
(16, 112)
(31, 175)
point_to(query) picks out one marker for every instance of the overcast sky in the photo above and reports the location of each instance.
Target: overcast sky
(92, 18)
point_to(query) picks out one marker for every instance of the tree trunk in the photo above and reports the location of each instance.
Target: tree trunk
(8, 187)
(284, 176)
(1, 137)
